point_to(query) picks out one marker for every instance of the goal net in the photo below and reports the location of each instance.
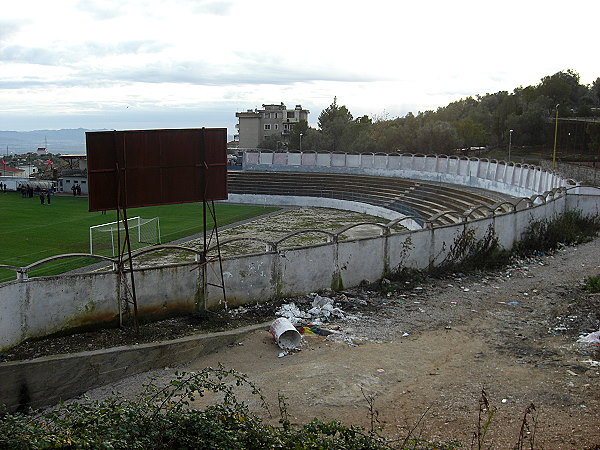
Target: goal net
(104, 239)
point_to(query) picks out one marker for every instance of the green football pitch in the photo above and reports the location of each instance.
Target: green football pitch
(31, 231)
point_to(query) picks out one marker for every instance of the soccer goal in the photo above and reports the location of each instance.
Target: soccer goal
(104, 238)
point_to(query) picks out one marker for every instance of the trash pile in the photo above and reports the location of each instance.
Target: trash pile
(292, 322)
(323, 310)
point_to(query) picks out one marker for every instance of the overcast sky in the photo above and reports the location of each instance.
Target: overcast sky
(135, 64)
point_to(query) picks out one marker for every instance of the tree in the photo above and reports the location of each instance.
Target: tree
(529, 128)
(562, 88)
(471, 133)
(294, 137)
(595, 92)
(593, 135)
(333, 122)
(271, 142)
(437, 137)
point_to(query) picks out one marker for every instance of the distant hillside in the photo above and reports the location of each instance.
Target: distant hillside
(71, 141)
(65, 142)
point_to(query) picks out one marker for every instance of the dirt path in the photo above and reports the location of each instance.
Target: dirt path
(431, 349)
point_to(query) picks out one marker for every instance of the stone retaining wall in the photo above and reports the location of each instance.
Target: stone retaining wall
(48, 380)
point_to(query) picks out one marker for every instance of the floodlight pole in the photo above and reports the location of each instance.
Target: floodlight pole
(510, 132)
(555, 136)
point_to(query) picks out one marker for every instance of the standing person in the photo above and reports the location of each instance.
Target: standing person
(73, 188)
(78, 189)
(42, 197)
(48, 195)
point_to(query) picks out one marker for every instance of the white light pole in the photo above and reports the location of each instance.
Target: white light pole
(509, 142)
(555, 136)
(301, 134)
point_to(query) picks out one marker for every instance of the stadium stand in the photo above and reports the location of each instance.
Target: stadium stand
(421, 199)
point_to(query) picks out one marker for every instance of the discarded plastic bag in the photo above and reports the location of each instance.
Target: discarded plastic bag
(592, 338)
(285, 334)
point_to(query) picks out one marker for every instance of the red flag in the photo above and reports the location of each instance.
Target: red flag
(3, 161)
(50, 162)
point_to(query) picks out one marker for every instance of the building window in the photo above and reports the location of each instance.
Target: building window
(276, 126)
(291, 114)
(267, 126)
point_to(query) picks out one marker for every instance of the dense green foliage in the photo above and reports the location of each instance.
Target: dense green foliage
(31, 231)
(483, 120)
(165, 418)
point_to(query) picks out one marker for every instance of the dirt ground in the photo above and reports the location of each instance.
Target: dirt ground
(424, 353)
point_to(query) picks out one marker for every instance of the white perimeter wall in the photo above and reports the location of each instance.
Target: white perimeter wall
(40, 306)
(519, 180)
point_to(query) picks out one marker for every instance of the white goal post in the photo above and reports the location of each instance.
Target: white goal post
(142, 233)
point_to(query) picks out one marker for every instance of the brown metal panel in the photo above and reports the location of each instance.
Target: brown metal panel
(129, 169)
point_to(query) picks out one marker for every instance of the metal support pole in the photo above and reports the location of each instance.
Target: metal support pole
(555, 136)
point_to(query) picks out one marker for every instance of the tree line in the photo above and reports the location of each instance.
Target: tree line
(480, 121)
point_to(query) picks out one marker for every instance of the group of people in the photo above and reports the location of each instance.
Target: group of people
(44, 195)
(28, 191)
(76, 188)
(3, 187)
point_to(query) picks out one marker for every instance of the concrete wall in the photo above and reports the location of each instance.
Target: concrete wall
(48, 380)
(39, 306)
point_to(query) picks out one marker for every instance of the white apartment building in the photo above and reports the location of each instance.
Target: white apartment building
(273, 120)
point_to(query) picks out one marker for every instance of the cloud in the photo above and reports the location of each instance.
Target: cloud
(29, 55)
(214, 8)
(101, 10)
(60, 56)
(248, 73)
(9, 27)
(112, 9)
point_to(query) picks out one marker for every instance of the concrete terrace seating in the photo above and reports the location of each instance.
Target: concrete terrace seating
(422, 199)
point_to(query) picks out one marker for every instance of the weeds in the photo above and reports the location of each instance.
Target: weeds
(467, 253)
(484, 420)
(373, 413)
(592, 284)
(528, 428)
(569, 228)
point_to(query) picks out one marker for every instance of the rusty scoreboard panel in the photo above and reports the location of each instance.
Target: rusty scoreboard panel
(129, 169)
